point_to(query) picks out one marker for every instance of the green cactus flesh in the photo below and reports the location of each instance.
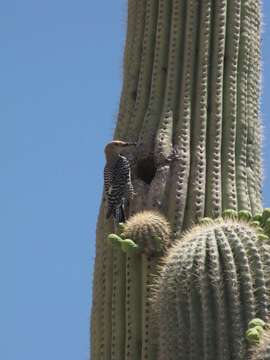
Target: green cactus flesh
(190, 100)
(213, 283)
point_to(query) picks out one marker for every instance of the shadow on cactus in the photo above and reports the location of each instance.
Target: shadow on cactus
(261, 350)
(215, 280)
(146, 232)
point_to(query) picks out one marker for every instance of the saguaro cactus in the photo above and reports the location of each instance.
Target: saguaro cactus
(190, 100)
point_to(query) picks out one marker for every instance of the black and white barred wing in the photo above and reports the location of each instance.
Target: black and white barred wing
(118, 186)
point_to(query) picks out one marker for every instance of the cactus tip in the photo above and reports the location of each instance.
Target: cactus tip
(129, 246)
(230, 213)
(244, 215)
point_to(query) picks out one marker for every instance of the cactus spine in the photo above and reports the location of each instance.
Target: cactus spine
(190, 99)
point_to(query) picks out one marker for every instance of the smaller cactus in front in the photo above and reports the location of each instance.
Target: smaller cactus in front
(214, 281)
(149, 230)
(146, 232)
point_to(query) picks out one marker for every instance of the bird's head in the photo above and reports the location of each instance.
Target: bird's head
(117, 147)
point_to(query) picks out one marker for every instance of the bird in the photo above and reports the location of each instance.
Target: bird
(117, 179)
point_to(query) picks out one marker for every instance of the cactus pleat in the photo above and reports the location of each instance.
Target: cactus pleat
(215, 274)
(229, 196)
(133, 307)
(107, 302)
(265, 252)
(132, 11)
(144, 82)
(158, 82)
(181, 136)
(118, 304)
(133, 304)
(259, 271)
(102, 314)
(96, 305)
(213, 278)
(254, 132)
(214, 126)
(232, 292)
(190, 99)
(131, 65)
(149, 348)
(171, 335)
(242, 124)
(196, 200)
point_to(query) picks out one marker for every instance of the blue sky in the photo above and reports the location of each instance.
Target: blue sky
(60, 86)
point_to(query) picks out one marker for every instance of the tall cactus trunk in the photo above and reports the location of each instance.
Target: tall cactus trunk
(190, 99)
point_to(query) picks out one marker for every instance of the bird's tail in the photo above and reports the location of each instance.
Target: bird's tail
(118, 214)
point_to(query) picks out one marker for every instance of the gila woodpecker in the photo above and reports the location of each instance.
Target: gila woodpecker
(117, 179)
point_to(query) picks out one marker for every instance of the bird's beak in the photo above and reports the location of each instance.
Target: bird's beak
(131, 144)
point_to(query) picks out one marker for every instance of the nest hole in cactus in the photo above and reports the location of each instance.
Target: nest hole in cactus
(146, 169)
